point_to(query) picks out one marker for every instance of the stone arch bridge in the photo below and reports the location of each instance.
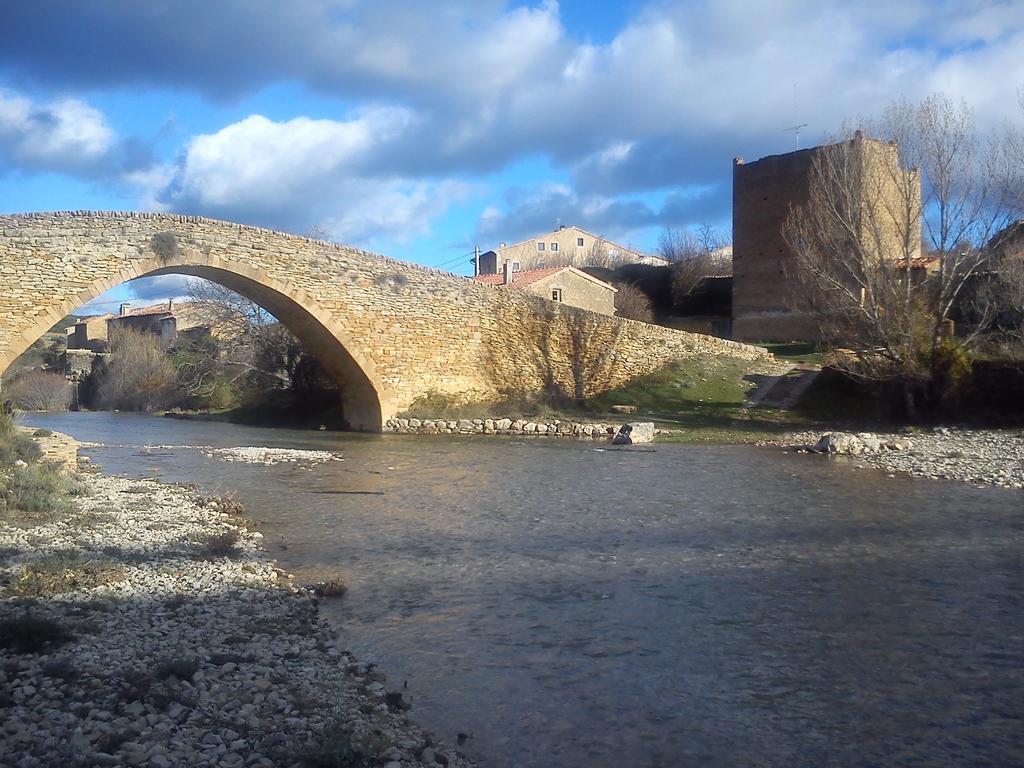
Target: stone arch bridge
(387, 331)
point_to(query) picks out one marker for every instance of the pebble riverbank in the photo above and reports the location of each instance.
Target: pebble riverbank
(145, 627)
(984, 457)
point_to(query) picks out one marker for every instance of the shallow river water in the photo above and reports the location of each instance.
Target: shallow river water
(566, 604)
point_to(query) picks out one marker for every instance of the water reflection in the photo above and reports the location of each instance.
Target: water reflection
(695, 605)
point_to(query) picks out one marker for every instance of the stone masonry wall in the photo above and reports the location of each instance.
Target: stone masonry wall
(766, 306)
(389, 331)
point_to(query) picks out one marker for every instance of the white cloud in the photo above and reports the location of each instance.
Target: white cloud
(62, 135)
(300, 172)
(261, 162)
(397, 210)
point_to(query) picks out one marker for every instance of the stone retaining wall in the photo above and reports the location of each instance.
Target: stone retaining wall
(580, 430)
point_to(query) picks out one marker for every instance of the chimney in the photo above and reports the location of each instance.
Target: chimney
(476, 261)
(125, 308)
(170, 305)
(506, 272)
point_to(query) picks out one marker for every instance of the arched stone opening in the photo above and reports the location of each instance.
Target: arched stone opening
(365, 403)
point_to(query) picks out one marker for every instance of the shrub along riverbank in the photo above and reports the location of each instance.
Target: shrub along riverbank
(141, 624)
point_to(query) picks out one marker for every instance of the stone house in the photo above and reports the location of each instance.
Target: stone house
(89, 332)
(565, 246)
(165, 320)
(565, 284)
(765, 306)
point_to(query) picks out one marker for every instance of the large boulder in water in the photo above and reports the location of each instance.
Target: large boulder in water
(634, 432)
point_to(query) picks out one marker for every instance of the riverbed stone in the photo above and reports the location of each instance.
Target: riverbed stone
(634, 432)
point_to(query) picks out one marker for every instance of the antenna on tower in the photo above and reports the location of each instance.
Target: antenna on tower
(796, 118)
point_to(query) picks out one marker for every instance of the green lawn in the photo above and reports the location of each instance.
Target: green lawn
(707, 400)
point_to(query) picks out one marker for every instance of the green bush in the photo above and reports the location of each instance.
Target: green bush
(18, 445)
(36, 488)
(15, 445)
(952, 372)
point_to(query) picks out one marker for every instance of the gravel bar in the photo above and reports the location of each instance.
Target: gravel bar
(980, 456)
(170, 640)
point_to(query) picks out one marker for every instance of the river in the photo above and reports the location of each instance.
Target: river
(567, 604)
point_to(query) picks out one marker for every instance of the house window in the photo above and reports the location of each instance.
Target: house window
(579, 242)
(554, 247)
(540, 246)
(515, 266)
(556, 294)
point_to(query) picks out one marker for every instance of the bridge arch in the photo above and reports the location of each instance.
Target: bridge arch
(390, 332)
(366, 400)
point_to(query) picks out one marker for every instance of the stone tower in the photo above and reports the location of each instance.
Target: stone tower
(764, 192)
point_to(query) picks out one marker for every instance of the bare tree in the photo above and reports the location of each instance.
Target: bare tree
(251, 341)
(599, 254)
(38, 390)
(858, 239)
(139, 377)
(695, 255)
(632, 303)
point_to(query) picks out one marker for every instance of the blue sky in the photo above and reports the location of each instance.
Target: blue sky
(417, 130)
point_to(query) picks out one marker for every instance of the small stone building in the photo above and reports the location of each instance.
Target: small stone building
(89, 332)
(165, 320)
(566, 284)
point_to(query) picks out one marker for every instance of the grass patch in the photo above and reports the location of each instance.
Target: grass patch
(330, 588)
(223, 544)
(793, 351)
(705, 399)
(42, 433)
(29, 633)
(225, 503)
(59, 573)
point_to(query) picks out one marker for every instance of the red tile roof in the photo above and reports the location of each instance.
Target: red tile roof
(920, 262)
(520, 279)
(156, 309)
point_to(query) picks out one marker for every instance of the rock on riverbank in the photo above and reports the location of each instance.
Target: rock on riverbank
(145, 627)
(992, 457)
